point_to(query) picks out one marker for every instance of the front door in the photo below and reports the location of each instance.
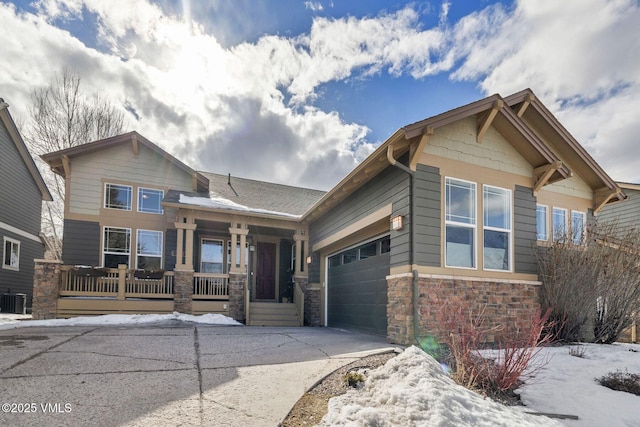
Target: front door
(266, 271)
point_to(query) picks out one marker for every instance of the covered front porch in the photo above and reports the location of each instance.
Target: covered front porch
(261, 262)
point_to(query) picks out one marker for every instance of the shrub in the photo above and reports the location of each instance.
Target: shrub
(462, 323)
(621, 381)
(591, 286)
(577, 351)
(354, 379)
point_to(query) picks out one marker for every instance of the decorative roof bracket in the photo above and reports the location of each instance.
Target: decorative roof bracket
(416, 151)
(542, 174)
(134, 145)
(527, 101)
(601, 198)
(485, 120)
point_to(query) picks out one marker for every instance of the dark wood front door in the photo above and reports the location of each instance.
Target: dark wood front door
(266, 271)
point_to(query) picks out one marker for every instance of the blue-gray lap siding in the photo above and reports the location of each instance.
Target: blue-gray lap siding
(20, 207)
(81, 243)
(524, 224)
(389, 186)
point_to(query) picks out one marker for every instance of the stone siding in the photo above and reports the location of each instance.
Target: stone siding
(46, 289)
(504, 305)
(237, 284)
(183, 291)
(311, 301)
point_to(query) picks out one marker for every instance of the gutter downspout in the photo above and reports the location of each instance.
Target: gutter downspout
(412, 237)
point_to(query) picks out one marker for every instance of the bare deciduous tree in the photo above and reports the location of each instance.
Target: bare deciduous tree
(593, 286)
(61, 116)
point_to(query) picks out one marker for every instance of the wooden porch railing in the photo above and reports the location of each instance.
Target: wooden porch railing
(298, 299)
(210, 285)
(122, 283)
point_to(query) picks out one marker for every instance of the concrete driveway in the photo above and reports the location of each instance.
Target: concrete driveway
(171, 373)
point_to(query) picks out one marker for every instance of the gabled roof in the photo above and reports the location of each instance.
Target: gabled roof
(247, 195)
(538, 116)
(550, 163)
(6, 118)
(57, 159)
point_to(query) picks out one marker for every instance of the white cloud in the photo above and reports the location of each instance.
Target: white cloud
(580, 57)
(248, 109)
(314, 6)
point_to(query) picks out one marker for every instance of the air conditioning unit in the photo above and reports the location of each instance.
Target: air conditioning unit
(13, 303)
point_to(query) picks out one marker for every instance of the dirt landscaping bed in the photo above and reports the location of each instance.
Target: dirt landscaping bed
(312, 406)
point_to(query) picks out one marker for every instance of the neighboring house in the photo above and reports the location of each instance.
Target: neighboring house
(21, 196)
(627, 216)
(448, 206)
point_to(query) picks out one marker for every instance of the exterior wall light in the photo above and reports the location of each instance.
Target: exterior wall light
(396, 223)
(308, 260)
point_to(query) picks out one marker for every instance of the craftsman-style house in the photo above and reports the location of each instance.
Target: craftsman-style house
(448, 205)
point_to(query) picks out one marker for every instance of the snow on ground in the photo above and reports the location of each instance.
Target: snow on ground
(567, 385)
(413, 390)
(8, 321)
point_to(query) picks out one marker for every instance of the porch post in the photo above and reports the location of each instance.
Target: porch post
(182, 228)
(238, 273)
(239, 229)
(46, 288)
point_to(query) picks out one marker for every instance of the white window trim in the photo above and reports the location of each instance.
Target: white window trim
(115, 253)
(161, 256)
(473, 226)
(4, 253)
(546, 222)
(223, 246)
(553, 223)
(584, 222)
(104, 199)
(140, 198)
(502, 230)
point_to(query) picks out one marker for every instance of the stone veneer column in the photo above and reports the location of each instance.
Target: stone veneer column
(237, 284)
(183, 291)
(311, 301)
(46, 288)
(400, 310)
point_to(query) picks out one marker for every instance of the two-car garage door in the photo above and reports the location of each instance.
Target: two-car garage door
(357, 287)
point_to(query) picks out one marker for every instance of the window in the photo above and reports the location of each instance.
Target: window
(149, 251)
(211, 252)
(11, 255)
(559, 223)
(116, 246)
(542, 222)
(149, 201)
(578, 224)
(117, 196)
(497, 228)
(460, 223)
(368, 250)
(350, 256)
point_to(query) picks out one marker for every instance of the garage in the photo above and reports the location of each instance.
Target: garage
(357, 287)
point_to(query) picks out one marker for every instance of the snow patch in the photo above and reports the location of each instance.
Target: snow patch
(216, 202)
(412, 390)
(119, 319)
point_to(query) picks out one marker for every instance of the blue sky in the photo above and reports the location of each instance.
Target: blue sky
(299, 92)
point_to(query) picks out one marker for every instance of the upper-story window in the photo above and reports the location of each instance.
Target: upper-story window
(559, 223)
(117, 196)
(149, 200)
(11, 255)
(542, 222)
(578, 225)
(497, 228)
(460, 223)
